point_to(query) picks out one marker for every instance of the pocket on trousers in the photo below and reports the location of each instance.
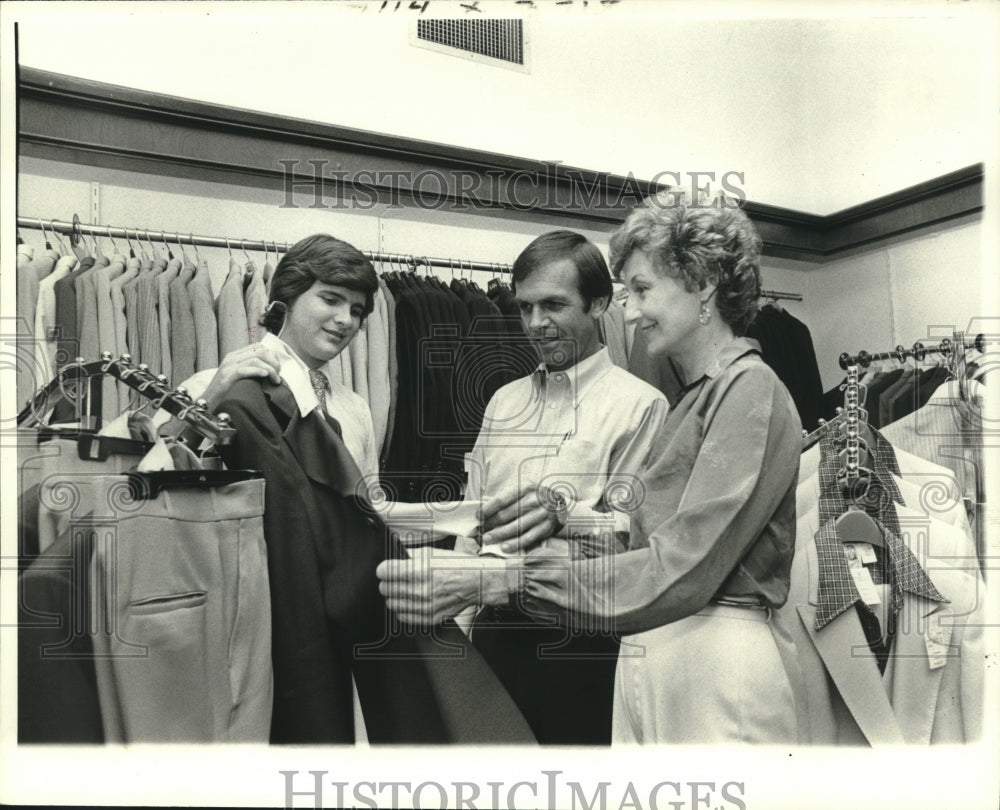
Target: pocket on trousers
(167, 603)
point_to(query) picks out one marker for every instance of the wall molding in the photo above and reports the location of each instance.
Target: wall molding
(78, 121)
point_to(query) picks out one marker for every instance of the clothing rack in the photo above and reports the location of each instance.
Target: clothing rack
(918, 352)
(76, 229)
(79, 383)
(784, 296)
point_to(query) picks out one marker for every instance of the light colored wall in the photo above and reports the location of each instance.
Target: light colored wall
(818, 113)
(920, 287)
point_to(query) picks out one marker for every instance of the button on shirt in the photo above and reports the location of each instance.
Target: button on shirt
(585, 430)
(350, 410)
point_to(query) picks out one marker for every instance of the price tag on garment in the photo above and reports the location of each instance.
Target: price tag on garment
(866, 586)
(866, 553)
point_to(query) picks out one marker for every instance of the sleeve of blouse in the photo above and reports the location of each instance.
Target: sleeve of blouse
(747, 460)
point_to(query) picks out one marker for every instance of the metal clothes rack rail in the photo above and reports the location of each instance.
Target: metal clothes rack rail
(76, 228)
(919, 351)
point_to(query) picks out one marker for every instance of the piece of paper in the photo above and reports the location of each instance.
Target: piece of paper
(421, 523)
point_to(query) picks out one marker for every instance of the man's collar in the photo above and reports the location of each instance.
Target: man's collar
(837, 592)
(294, 372)
(580, 377)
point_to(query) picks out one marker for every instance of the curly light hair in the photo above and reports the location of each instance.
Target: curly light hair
(697, 243)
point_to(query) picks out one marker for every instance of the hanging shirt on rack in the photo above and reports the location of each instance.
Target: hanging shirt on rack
(231, 312)
(66, 310)
(27, 304)
(183, 332)
(148, 321)
(46, 324)
(106, 331)
(203, 312)
(163, 282)
(43, 264)
(255, 302)
(121, 294)
(87, 311)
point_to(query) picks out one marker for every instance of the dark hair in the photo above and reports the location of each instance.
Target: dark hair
(593, 278)
(697, 244)
(320, 257)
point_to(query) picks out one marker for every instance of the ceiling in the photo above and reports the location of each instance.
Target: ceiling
(814, 113)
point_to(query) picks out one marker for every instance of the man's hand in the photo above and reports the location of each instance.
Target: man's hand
(250, 361)
(520, 520)
(434, 585)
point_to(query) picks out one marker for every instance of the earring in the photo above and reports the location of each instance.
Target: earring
(705, 315)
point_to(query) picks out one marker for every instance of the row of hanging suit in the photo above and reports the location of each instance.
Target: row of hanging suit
(886, 637)
(896, 390)
(428, 358)
(161, 310)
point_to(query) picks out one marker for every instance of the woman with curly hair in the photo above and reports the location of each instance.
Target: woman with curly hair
(713, 526)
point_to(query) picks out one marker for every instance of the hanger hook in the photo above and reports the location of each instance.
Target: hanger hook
(194, 246)
(243, 247)
(111, 238)
(229, 248)
(55, 233)
(166, 244)
(180, 244)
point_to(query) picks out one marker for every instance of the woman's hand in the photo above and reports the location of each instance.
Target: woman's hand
(520, 520)
(251, 361)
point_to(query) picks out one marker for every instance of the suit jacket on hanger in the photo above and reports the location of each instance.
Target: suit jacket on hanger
(932, 691)
(328, 618)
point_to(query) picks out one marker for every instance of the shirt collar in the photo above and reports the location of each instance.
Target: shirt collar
(294, 372)
(579, 378)
(836, 592)
(727, 355)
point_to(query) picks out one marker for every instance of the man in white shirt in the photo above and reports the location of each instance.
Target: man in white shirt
(558, 449)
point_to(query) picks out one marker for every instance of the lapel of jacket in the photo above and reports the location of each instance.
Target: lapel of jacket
(316, 446)
(919, 654)
(844, 649)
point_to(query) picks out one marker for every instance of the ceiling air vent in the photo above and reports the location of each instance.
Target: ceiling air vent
(495, 42)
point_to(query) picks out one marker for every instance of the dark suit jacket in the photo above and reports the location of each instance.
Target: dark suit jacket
(328, 617)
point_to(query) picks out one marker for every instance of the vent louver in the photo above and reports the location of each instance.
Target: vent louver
(494, 39)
